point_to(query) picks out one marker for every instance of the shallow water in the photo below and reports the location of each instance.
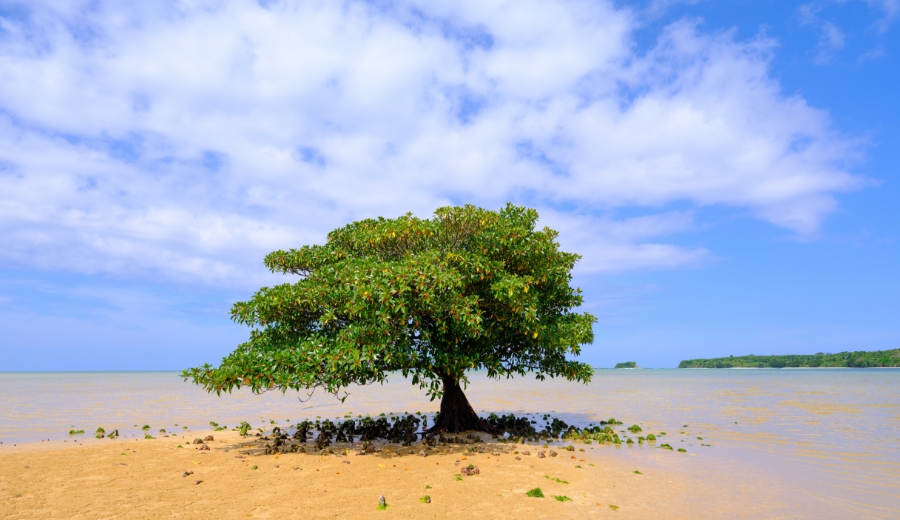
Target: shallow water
(815, 443)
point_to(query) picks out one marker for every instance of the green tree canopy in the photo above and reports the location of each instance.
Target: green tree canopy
(429, 298)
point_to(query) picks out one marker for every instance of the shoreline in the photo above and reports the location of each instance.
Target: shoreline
(138, 478)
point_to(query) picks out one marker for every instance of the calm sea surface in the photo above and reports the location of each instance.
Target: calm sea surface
(818, 443)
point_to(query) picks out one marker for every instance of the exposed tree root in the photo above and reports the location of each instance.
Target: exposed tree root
(457, 414)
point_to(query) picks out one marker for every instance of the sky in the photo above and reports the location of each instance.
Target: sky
(727, 169)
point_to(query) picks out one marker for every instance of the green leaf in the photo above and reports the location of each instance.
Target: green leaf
(467, 288)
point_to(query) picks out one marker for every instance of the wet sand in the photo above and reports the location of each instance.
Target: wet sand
(143, 479)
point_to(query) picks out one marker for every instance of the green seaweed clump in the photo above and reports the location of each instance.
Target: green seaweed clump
(562, 498)
(425, 500)
(554, 479)
(651, 437)
(76, 432)
(614, 508)
(536, 493)
(145, 427)
(244, 428)
(682, 450)
(665, 446)
(629, 441)
(148, 436)
(636, 472)
(635, 428)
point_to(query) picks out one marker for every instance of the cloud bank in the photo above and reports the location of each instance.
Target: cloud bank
(186, 139)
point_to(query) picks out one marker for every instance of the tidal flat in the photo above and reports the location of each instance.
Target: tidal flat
(746, 444)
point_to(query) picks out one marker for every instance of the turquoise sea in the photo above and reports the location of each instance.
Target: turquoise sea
(813, 443)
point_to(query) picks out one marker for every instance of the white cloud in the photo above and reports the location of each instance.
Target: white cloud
(831, 37)
(890, 8)
(191, 138)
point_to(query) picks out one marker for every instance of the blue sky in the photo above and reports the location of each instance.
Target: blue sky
(728, 170)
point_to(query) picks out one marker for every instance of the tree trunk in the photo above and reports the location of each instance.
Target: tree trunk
(457, 414)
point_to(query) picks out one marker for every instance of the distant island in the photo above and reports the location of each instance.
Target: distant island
(627, 364)
(861, 359)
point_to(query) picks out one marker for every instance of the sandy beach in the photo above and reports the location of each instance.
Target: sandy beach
(145, 479)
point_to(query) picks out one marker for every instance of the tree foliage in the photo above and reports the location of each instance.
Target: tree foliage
(430, 298)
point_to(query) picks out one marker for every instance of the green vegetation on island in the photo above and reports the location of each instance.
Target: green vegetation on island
(627, 364)
(861, 359)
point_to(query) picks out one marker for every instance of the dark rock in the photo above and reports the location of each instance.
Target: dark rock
(198, 441)
(203, 447)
